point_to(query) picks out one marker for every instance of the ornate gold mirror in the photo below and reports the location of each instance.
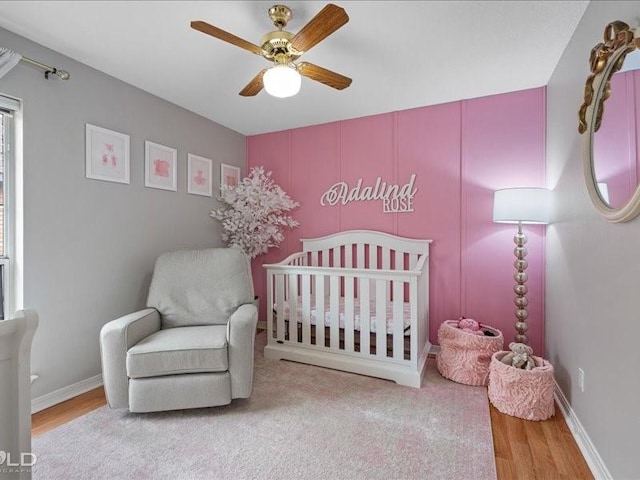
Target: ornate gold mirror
(612, 141)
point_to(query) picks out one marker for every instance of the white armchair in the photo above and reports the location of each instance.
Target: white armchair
(193, 346)
(16, 335)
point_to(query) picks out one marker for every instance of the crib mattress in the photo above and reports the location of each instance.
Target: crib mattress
(406, 314)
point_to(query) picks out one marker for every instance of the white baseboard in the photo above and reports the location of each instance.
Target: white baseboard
(262, 325)
(434, 350)
(65, 393)
(586, 446)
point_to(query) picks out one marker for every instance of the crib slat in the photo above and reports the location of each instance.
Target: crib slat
(348, 256)
(413, 301)
(386, 258)
(280, 307)
(306, 310)
(319, 283)
(359, 263)
(381, 315)
(360, 255)
(348, 314)
(325, 258)
(270, 287)
(399, 260)
(365, 315)
(293, 308)
(314, 258)
(334, 295)
(373, 264)
(398, 320)
(386, 265)
(413, 259)
(373, 256)
(325, 263)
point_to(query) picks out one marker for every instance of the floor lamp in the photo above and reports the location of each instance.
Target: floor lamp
(521, 205)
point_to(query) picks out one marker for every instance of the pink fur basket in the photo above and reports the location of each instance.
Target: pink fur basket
(526, 394)
(464, 357)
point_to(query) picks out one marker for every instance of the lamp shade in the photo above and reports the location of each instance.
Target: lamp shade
(525, 205)
(281, 81)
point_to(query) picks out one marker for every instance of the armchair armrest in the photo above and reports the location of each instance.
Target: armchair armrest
(241, 334)
(116, 337)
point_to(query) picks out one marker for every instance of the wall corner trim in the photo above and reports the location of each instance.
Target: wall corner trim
(586, 446)
(65, 393)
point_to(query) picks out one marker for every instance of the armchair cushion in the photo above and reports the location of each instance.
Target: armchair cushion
(179, 350)
(200, 287)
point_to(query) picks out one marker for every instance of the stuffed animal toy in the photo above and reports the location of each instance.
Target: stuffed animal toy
(520, 356)
(469, 325)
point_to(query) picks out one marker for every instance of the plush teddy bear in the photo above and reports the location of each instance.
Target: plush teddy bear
(520, 356)
(469, 325)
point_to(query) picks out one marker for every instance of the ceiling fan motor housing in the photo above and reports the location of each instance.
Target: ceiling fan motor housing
(277, 47)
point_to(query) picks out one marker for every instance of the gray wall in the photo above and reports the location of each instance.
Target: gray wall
(592, 289)
(89, 245)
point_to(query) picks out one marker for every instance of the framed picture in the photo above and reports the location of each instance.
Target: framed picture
(229, 176)
(199, 172)
(107, 154)
(160, 164)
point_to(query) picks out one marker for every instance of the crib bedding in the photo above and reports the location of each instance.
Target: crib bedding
(406, 314)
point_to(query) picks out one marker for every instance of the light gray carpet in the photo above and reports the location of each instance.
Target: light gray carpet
(302, 422)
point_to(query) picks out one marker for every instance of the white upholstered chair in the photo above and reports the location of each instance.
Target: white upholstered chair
(193, 346)
(16, 336)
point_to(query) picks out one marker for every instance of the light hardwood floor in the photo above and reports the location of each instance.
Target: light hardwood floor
(524, 450)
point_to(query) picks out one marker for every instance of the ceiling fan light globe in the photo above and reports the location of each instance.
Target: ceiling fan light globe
(282, 81)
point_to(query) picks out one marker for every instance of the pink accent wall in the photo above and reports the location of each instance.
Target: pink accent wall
(461, 152)
(616, 142)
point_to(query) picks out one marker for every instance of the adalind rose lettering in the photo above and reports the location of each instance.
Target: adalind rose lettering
(395, 198)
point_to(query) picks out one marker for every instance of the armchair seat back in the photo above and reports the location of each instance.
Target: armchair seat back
(200, 287)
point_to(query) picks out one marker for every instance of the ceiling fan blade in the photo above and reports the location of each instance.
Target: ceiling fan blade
(327, 21)
(322, 75)
(216, 32)
(254, 86)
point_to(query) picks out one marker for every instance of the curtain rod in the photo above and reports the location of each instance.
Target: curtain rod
(62, 74)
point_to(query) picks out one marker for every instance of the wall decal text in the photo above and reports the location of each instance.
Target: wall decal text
(395, 198)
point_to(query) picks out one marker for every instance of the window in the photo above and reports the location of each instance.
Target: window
(8, 108)
(5, 151)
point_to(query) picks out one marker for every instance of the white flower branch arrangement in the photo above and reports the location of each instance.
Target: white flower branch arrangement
(253, 214)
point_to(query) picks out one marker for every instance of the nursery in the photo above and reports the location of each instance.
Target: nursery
(352, 240)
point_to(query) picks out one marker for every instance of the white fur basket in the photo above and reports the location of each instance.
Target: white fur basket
(526, 394)
(464, 357)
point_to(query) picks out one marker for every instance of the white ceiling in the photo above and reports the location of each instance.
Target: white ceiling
(400, 55)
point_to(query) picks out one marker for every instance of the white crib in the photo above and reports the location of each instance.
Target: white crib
(353, 280)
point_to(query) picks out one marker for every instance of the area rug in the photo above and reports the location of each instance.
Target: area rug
(301, 422)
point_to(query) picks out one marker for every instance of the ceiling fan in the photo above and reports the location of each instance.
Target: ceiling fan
(284, 48)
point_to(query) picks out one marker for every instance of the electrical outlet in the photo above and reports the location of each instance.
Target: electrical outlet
(581, 379)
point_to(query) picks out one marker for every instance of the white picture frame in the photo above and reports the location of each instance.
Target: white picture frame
(107, 155)
(199, 175)
(160, 166)
(229, 176)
